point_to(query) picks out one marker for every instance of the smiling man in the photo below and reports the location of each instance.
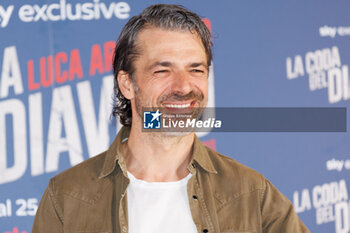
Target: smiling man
(159, 181)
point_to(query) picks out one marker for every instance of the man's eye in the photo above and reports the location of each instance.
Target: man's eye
(197, 71)
(161, 71)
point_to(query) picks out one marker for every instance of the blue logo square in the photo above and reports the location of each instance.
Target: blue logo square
(151, 120)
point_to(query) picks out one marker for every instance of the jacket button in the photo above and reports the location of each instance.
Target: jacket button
(194, 197)
(205, 231)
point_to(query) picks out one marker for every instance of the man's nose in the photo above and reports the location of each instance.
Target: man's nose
(181, 83)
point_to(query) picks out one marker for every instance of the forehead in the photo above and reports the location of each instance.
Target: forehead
(160, 43)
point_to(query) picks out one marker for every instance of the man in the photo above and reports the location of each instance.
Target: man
(161, 181)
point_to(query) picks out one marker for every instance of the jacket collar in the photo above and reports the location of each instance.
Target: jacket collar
(201, 156)
(115, 154)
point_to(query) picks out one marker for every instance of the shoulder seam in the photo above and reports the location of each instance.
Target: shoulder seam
(53, 200)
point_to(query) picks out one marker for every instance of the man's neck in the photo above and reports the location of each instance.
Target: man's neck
(155, 157)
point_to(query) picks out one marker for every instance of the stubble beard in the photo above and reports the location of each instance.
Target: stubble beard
(193, 95)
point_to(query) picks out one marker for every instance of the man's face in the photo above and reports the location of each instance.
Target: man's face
(171, 71)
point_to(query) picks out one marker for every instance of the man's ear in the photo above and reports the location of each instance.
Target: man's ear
(125, 85)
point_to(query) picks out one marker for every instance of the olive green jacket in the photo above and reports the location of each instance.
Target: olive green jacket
(224, 196)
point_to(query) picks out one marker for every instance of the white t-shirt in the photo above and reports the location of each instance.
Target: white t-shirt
(159, 207)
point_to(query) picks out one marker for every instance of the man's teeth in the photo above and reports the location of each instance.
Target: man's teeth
(177, 105)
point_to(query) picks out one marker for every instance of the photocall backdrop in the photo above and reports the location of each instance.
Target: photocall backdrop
(56, 87)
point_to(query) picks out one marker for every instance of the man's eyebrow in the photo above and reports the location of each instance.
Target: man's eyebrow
(196, 64)
(160, 63)
(169, 64)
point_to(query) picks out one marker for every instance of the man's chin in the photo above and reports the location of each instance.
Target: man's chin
(171, 134)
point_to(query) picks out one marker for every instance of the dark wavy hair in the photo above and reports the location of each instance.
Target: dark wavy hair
(169, 17)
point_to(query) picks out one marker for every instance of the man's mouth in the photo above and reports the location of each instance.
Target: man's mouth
(179, 105)
(186, 109)
(178, 102)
